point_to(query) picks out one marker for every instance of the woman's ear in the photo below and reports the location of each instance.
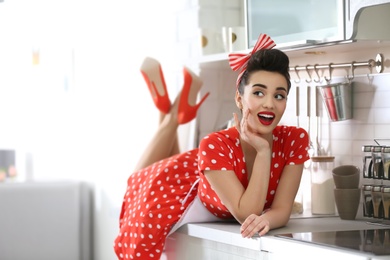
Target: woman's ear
(238, 99)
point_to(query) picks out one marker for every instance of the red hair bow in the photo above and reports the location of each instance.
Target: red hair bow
(240, 61)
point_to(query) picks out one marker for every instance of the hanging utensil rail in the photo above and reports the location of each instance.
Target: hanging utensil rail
(377, 63)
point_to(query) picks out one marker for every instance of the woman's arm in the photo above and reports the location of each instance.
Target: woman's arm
(242, 202)
(279, 213)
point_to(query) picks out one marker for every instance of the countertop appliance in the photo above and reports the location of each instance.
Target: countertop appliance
(371, 241)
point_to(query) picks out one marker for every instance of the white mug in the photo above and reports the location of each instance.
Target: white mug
(210, 40)
(237, 38)
(225, 39)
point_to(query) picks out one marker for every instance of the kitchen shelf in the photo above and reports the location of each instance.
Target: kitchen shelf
(221, 60)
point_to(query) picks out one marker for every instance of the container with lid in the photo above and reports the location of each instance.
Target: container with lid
(367, 162)
(386, 162)
(385, 190)
(368, 210)
(322, 185)
(377, 165)
(377, 204)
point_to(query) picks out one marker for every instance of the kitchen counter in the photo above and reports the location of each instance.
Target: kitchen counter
(222, 240)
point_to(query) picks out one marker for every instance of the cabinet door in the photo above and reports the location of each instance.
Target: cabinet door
(295, 22)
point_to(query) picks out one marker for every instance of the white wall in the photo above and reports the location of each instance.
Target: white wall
(84, 112)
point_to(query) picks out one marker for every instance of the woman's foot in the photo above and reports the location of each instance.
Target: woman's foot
(187, 104)
(154, 77)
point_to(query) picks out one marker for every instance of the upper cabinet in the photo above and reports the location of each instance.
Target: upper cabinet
(302, 25)
(367, 19)
(311, 22)
(292, 23)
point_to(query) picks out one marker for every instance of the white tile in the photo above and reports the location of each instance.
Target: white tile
(340, 131)
(381, 115)
(361, 132)
(382, 131)
(363, 100)
(381, 99)
(363, 115)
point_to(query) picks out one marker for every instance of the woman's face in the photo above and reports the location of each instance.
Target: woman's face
(265, 97)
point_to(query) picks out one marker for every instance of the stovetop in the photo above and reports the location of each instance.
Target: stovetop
(372, 241)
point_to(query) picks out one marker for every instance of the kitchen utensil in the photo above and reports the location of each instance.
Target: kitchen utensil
(297, 110)
(338, 100)
(311, 146)
(320, 150)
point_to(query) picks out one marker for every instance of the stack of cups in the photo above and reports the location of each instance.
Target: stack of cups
(347, 192)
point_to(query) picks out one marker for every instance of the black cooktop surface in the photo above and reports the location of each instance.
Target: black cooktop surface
(372, 241)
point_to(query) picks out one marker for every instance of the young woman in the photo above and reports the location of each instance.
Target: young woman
(250, 172)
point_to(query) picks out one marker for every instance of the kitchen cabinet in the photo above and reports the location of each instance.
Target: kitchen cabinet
(341, 24)
(308, 22)
(295, 22)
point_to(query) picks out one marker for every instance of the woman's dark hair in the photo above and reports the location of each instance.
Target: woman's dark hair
(272, 60)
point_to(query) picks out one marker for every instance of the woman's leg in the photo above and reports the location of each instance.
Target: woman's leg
(164, 141)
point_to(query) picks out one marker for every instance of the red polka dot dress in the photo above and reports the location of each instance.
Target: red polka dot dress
(157, 196)
(222, 151)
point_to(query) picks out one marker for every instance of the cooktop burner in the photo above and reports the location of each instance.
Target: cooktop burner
(373, 241)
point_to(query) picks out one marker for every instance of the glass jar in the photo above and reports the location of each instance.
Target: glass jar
(367, 201)
(376, 194)
(367, 162)
(322, 185)
(377, 166)
(385, 190)
(386, 162)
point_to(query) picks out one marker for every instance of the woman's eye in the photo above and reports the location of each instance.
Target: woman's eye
(258, 93)
(280, 96)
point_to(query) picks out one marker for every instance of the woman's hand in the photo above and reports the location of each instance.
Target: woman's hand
(248, 133)
(254, 224)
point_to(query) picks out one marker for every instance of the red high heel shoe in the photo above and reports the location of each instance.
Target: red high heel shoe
(192, 84)
(154, 77)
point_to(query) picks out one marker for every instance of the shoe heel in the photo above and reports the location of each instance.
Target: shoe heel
(187, 112)
(152, 74)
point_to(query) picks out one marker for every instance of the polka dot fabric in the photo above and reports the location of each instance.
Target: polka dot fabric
(157, 196)
(222, 151)
(153, 204)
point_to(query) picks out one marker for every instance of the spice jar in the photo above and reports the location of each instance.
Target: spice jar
(386, 201)
(376, 194)
(322, 185)
(386, 162)
(367, 200)
(377, 165)
(367, 162)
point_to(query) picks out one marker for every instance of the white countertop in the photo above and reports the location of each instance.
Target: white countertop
(228, 233)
